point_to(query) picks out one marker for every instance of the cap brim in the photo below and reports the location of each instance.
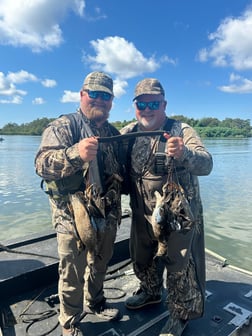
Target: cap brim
(98, 88)
(147, 93)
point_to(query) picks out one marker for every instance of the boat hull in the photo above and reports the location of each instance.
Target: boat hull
(28, 286)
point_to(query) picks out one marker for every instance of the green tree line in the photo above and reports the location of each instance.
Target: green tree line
(206, 127)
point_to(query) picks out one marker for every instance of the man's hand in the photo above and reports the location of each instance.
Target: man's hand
(174, 146)
(88, 148)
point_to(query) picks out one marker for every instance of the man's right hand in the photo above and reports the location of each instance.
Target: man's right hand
(88, 148)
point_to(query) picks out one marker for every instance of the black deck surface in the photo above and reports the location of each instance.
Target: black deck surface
(34, 312)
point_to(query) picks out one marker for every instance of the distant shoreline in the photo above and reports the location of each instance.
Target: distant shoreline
(206, 127)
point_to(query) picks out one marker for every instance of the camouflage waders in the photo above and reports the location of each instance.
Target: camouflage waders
(185, 258)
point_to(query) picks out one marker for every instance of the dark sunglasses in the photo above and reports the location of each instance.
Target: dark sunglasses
(95, 94)
(153, 105)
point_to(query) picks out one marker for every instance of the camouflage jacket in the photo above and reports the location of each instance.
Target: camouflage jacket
(195, 161)
(58, 160)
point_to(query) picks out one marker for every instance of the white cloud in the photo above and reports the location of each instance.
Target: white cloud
(70, 97)
(21, 76)
(13, 100)
(38, 101)
(238, 84)
(98, 15)
(9, 89)
(8, 85)
(167, 59)
(119, 87)
(234, 77)
(231, 43)
(49, 83)
(118, 56)
(35, 24)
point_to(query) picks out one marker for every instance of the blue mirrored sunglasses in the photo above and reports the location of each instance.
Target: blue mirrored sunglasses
(103, 95)
(153, 105)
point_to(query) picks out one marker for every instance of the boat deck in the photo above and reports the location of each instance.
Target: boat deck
(29, 302)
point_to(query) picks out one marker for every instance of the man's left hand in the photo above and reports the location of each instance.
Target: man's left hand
(174, 146)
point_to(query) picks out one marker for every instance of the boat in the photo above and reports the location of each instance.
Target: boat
(1, 139)
(29, 300)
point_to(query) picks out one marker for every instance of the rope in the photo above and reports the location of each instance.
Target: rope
(31, 319)
(37, 316)
(40, 317)
(121, 293)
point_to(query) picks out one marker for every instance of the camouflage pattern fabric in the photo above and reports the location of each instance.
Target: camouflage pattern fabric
(58, 158)
(184, 299)
(151, 277)
(181, 246)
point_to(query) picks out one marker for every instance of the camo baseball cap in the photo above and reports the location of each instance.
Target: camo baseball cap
(148, 86)
(98, 81)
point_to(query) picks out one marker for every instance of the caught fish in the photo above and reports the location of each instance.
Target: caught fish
(86, 229)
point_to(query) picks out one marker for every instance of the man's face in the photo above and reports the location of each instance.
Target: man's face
(96, 105)
(150, 111)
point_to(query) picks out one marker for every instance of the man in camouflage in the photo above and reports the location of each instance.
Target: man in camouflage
(67, 160)
(149, 171)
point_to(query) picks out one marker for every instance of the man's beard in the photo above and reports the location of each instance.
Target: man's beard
(146, 124)
(97, 114)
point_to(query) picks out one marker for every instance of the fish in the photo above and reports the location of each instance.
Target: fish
(86, 229)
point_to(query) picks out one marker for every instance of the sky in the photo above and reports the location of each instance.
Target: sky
(201, 51)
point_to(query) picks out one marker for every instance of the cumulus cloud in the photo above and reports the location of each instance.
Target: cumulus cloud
(35, 24)
(70, 97)
(13, 100)
(231, 43)
(38, 101)
(116, 55)
(49, 83)
(7, 88)
(238, 84)
(119, 87)
(9, 83)
(21, 76)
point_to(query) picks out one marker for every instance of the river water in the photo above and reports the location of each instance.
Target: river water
(226, 195)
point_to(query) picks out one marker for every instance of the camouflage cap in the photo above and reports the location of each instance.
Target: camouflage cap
(148, 86)
(98, 81)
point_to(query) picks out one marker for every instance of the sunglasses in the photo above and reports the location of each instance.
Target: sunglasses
(153, 105)
(95, 94)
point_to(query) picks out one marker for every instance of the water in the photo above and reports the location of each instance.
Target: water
(227, 200)
(226, 195)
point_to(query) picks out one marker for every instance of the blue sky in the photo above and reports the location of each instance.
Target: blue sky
(201, 51)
